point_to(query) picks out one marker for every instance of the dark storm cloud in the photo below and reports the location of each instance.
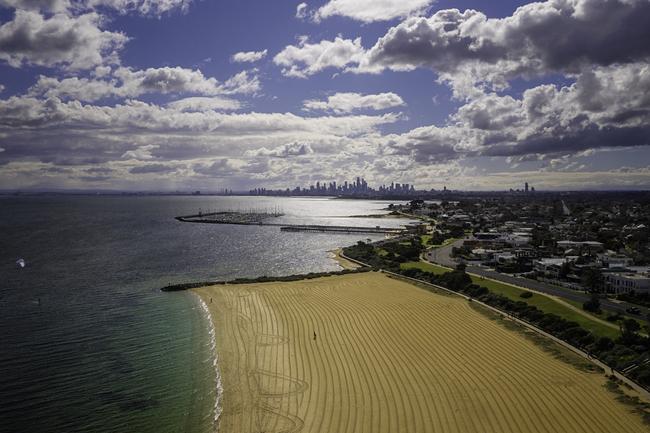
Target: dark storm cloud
(591, 137)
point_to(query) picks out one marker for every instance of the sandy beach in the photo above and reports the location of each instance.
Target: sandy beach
(343, 262)
(367, 353)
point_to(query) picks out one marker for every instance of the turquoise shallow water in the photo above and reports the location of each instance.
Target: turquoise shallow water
(87, 341)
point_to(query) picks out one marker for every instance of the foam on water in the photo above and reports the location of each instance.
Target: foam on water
(215, 362)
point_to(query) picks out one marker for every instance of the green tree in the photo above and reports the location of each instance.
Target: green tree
(592, 280)
(593, 304)
(565, 269)
(630, 327)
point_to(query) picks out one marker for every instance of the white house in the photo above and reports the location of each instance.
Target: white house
(627, 282)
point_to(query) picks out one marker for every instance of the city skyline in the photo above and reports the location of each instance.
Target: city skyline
(357, 187)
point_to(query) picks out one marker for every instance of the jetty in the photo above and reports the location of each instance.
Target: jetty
(259, 218)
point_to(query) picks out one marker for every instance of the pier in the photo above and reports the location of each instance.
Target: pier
(266, 219)
(340, 229)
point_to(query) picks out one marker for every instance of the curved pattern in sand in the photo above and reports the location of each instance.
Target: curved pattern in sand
(389, 357)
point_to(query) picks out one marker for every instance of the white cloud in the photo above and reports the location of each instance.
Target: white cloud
(244, 82)
(301, 11)
(101, 71)
(144, 7)
(128, 83)
(53, 112)
(36, 5)
(60, 40)
(72, 133)
(284, 151)
(141, 153)
(466, 48)
(475, 53)
(249, 56)
(606, 107)
(308, 59)
(372, 10)
(197, 103)
(166, 80)
(349, 102)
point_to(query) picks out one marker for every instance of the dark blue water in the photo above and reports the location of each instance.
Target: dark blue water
(87, 340)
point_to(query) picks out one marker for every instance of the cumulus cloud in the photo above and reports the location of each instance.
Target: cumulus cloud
(249, 56)
(128, 83)
(372, 10)
(301, 11)
(348, 102)
(307, 59)
(60, 40)
(554, 36)
(166, 80)
(475, 53)
(606, 107)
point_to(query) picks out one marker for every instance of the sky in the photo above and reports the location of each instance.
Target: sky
(180, 95)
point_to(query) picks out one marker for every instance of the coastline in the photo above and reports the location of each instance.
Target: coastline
(272, 369)
(344, 263)
(215, 362)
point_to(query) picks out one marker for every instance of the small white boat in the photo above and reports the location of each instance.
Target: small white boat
(20, 263)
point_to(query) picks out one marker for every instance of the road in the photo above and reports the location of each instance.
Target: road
(442, 256)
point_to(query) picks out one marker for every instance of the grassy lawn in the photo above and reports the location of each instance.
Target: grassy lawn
(548, 305)
(604, 314)
(544, 303)
(426, 267)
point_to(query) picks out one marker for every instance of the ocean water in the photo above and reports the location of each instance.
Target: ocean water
(88, 342)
